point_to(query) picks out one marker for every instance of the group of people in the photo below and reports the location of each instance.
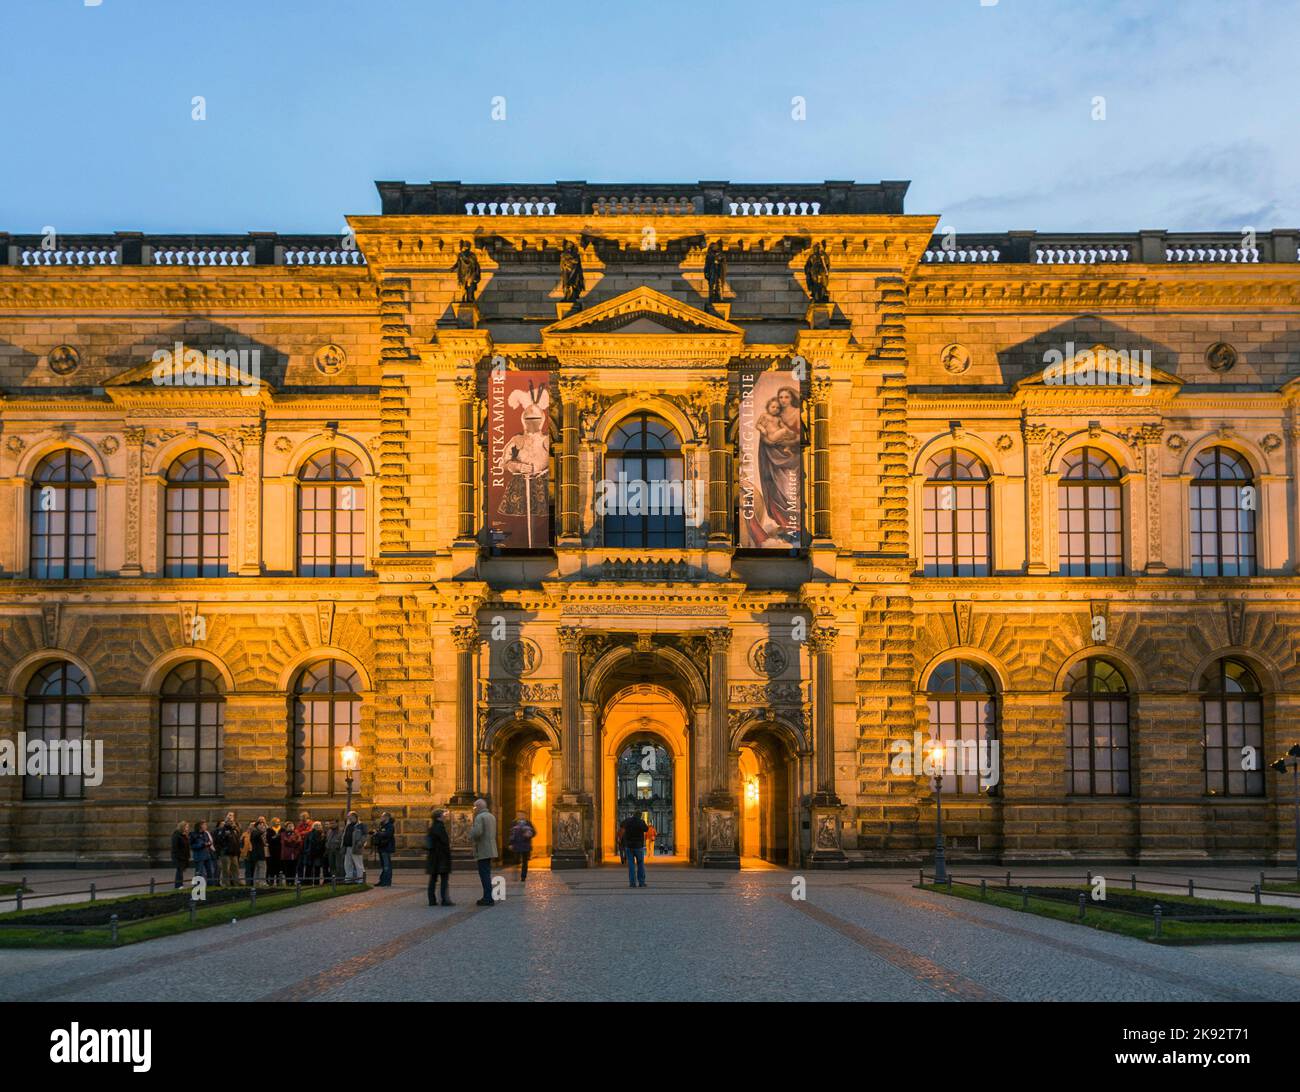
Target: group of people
(283, 852)
(483, 835)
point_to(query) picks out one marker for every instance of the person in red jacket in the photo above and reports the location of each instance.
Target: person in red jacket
(303, 829)
(290, 852)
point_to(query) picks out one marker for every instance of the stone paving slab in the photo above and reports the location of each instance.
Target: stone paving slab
(691, 935)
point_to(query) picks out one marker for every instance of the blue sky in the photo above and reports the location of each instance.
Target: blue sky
(987, 109)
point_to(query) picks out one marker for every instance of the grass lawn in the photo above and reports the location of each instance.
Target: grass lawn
(1129, 925)
(52, 936)
(1283, 888)
(7, 889)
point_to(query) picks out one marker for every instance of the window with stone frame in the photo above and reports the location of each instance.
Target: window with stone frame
(644, 485)
(1223, 501)
(63, 516)
(962, 700)
(331, 516)
(326, 718)
(191, 727)
(55, 713)
(1232, 718)
(197, 519)
(1090, 515)
(1096, 730)
(957, 524)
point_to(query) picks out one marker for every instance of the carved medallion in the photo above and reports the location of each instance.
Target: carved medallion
(108, 445)
(1175, 442)
(330, 359)
(954, 358)
(1221, 357)
(63, 359)
(768, 658)
(521, 657)
(1271, 442)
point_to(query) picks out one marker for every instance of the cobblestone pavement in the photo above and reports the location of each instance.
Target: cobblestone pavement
(690, 935)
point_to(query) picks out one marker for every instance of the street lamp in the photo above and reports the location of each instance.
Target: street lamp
(349, 756)
(1292, 758)
(936, 754)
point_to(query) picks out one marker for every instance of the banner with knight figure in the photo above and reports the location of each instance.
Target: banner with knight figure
(771, 461)
(519, 459)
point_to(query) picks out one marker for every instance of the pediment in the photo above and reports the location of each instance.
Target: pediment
(1099, 367)
(643, 311)
(184, 372)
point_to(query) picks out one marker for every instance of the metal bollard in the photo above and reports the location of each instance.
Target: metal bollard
(1191, 888)
(112, 928)
(920, 880)
(1156, 914)
(1089, 879)
(984, 890)
(950, 883)
(297, 891)
(1133, 881)
(1008, 879)
(252, 896)
(1083, 905)
(19, 895)
(191, 911)
(334, 885)
(1256, 890)
(152, 881)
(92, 892)
(1024, 898)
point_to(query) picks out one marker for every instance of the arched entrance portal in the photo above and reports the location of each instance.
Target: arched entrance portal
(520, 761)
(769, 792)
(645, 760)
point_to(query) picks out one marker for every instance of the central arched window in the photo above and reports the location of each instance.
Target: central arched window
(191, 721)
(643, 497)
(56, 714)
(1096, 729)
(63, 516)
(198, 516)
(331, 516)
(1090, 514)
(956, 513)
(1223, 503)
(963, 714)
(1232, 716)
(326, 717)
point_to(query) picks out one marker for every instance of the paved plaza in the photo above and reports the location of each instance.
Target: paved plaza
(690, 935)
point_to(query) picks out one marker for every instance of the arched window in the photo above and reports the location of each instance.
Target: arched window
(963, 713)
(644, 492)
(1223, 502)
(1096, 729)
(956, 513)
(326, 717)
(331, 516)
(1090, 515)
(198, 516)
(1232, 716)
(63, 516)
(192, 717)
(56, 714)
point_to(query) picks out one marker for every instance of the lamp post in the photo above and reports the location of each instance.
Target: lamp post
(349, 757)
(1292, 758)
(936, 755)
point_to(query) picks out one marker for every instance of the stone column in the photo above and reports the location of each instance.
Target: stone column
(821, 643)
(820, 397)
(466, 392)
(1035, 454)
(134, 474)
(466, 639)
(1151, 437)
(571, 815)
(570, 394)
(719, 456)
(720, 814)
(250, 439)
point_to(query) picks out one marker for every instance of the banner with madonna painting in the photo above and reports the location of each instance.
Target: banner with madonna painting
(771, 437)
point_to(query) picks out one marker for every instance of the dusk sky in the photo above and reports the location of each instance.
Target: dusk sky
(989, 110)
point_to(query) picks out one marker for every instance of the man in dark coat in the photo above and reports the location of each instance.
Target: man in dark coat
(438, 845)
(181, 851)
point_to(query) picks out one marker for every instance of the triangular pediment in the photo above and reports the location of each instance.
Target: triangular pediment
(184, 372)
(643, 311)
(1098, 366)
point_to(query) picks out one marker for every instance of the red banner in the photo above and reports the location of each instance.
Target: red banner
(519, 459)
(771, 461)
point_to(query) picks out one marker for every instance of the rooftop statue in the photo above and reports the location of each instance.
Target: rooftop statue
(817, 272)
(467, 272)
(715, 270)
(571, 273)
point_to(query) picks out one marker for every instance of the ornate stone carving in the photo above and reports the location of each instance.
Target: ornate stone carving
(330, 358)
(822, 639)
(325, 621)
(955, 358)
(769, 693)
(719, 639)
(15, 444)
(50, 616)
(817, 273)
(1176, 442)
(1236, 616)
(1221, 357)
(570, 638)
(466, 638)
(512, 692)
(283, 445)
(1004, 443)
(468, 272)
(109, 445)
(521, 657)
(1271, 442)
(768, 658)
(63, 360)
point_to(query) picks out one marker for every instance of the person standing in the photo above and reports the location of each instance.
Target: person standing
(438, 844)
(228, 844)
(273, 850)
(313, 853)
(334, 851)
(255, 863)
(181, 852)
(632, 838)
(202, 850)
(483, 833)
(385, 844)
(650, 835)
(291, 850)
(354, 841)
(521, 842)
(303, 828)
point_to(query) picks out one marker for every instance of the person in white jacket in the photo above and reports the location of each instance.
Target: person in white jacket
(484, 835)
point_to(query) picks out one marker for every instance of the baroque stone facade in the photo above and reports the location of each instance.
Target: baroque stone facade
(1004, 458)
